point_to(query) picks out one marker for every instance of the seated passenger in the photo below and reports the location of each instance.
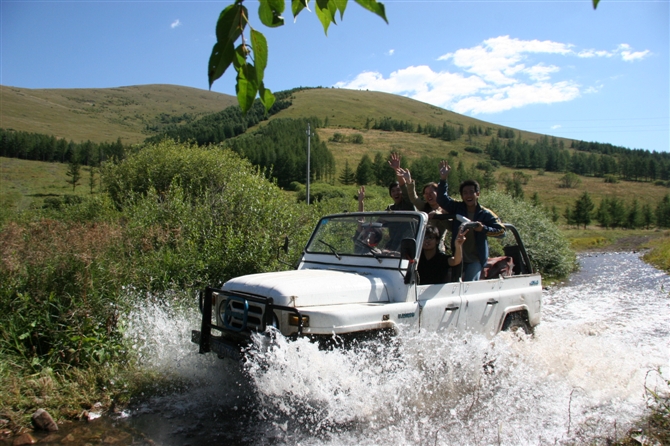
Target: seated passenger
(367, 238)
(434, 265)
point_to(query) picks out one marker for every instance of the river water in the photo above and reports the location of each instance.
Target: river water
(604, 338)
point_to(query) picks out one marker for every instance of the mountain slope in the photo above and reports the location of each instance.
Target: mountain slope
(104, 114)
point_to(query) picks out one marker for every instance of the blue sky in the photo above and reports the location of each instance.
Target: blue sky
(554, 67)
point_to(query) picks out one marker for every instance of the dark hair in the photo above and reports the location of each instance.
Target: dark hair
(432, 230)
(392, 185)
(467, 183)
(433, 185)
(375, 235)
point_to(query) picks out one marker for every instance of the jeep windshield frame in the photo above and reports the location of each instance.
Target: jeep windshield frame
(365, 234)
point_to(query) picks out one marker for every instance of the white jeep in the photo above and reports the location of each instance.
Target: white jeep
(343, 287)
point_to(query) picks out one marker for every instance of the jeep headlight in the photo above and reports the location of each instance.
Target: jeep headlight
(293, 320)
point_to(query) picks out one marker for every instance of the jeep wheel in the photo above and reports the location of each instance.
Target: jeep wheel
(515, 322)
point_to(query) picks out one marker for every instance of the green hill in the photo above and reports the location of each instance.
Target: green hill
(137, 112)
(104, 114)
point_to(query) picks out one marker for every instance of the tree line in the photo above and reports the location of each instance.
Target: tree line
(40, 147)
(226, 124)
(613, 212)
(588, 159)
(280, 149)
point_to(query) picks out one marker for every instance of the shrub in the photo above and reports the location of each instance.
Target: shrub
(472, 149)
(611, 179)
(453, 153)
(548, 249)
(356, 138)
(320, 192)
(486, 166)
(569, 180)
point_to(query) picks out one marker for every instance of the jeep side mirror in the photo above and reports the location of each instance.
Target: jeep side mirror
(408, 248)
(408, 252)
(285, 247)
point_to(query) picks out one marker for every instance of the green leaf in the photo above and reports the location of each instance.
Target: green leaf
(219, 61)
(325, 11)
(247, 87)
(374, 6)
(231, 23)
(595, 3)
(340, 5)
(270, 12)
(260, 47)
(297, 6)
(229, 28)
(266, 97)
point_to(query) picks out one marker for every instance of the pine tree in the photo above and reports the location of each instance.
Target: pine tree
(663, 212)
(634, 217)
(603, 216)
(365, 172)
(647, 216)
(347, 177)
(91, 179)
(568, 216)
(73, 171)
(583, 210)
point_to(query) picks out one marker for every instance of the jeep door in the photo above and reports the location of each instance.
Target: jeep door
(481, 310)
(440, 306)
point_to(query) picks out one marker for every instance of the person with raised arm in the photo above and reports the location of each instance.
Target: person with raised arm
(434, 265)
(484, 222)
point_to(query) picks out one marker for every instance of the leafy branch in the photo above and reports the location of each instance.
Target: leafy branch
(250, 59)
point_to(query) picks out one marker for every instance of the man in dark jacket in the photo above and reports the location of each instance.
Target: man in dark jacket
(475, 249)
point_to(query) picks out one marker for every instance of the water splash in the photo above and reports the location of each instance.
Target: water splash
(580, 379)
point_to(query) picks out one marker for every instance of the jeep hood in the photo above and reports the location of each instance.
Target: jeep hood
(308, 287)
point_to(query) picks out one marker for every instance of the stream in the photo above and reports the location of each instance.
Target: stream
(581, 379)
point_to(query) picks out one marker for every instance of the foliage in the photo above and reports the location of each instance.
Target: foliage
(582, 212)
(663, 212)
(230, 27)
(569, 181)
(280, 149)
(74, 172)
(659, 255)
(231, 122)
(365, 172)
(472, 149)
(548, 249)
(321, 192)
(348, 176)
(40, 147)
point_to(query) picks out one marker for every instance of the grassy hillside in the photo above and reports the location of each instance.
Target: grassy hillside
(103, 114)
(127, 112)
(26, 183)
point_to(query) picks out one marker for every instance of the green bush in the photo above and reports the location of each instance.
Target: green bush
(548, 249)
(472, 149)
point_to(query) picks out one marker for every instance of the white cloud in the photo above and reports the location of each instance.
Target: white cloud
(556, 127)
(175, 24)
(501, 73)
(391, 52)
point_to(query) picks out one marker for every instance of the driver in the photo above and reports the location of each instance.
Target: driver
(367, 235)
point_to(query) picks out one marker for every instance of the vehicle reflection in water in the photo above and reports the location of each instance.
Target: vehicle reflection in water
(580, 379)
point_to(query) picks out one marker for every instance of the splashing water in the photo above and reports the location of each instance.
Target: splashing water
(581, 379)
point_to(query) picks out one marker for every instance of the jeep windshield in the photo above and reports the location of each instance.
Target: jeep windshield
(364, 234)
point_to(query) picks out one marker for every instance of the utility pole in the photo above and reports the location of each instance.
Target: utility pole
(308, 150)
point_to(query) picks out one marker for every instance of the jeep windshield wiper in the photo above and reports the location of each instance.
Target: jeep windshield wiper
(332, 249)
(374, 251)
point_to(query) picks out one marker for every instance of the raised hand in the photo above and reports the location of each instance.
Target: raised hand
(404, 173)
(361, 194)
(444, 169)
(394, 162)
(460, 238)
